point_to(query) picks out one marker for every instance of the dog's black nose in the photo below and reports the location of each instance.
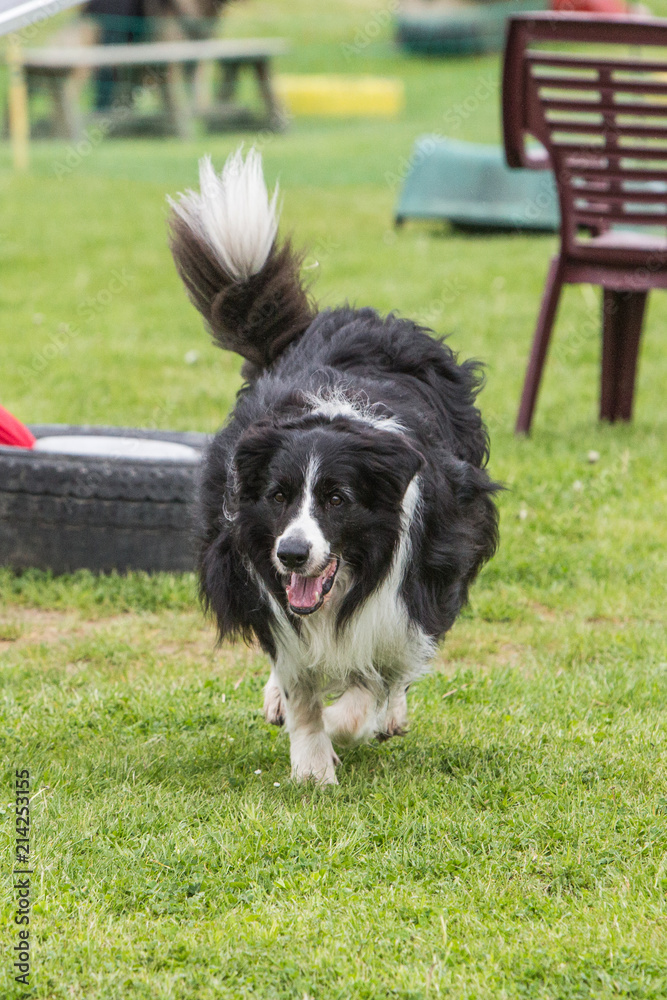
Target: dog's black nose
(293, 552)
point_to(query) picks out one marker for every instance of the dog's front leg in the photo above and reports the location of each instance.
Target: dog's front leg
(274, 703)
(313, 756)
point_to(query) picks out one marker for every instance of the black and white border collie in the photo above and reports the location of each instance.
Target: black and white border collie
(345, 506)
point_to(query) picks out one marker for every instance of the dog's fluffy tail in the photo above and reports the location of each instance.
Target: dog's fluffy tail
(223, 239)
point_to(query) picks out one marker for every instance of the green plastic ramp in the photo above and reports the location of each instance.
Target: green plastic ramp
(471, 185)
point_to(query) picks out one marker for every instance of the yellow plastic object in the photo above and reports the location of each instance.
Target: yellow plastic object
(341, 96)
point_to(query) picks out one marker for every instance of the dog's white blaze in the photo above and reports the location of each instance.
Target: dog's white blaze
(305, 526)
(232, 213)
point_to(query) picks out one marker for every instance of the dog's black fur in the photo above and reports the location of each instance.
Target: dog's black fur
(413, 414)
(402, 372)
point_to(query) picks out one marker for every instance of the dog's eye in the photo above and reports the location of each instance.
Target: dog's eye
(279, 497)
(335, 499)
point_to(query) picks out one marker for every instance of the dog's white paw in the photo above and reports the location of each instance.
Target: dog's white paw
(274, 705)
(314, 759)
(351, 719)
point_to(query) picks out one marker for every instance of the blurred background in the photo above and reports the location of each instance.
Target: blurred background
(93, 323)
(94, 326)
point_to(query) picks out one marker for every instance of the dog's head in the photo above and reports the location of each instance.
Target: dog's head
(320, 507)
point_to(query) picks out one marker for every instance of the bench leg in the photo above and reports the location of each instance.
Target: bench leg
(65, 94)
(622, 319)
(230, 79)
(200, 84)
(177, 105)
(538, 354)
(274, 110)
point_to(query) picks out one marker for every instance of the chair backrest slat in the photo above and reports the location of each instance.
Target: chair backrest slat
(594, 219)
(596, 107)
(595, 63)
(597, 194)
(620, 153)
(602, 173)
(598, 131)
(602, 118)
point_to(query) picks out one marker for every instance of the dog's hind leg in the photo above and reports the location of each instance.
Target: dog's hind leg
(353, 717)
(274, 703)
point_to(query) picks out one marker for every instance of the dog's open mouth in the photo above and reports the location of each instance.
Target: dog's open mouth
(306, 594)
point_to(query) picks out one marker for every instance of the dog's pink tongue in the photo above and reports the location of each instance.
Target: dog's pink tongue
(304, 591)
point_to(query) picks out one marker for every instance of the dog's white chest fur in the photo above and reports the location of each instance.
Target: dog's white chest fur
(378, 645)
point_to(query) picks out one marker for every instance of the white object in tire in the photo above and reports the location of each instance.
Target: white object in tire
(107, 446)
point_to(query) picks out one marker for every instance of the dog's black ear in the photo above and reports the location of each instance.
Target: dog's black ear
(390, 463)
(456, 534)
(228, 591)
(226, 588)
(252, 458)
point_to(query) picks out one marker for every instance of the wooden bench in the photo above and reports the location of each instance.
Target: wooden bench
(164, 65)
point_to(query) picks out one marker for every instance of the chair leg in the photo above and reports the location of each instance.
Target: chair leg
(622, 319)
(538, 354)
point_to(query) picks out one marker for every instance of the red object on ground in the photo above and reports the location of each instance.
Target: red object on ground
(592, 6)
(13, 432)
(610, 168)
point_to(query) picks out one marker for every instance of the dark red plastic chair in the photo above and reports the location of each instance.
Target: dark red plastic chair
(600, 115)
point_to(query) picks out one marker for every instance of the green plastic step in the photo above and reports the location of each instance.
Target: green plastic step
(471, 185)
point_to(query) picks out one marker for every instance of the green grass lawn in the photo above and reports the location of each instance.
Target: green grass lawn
(514, 843)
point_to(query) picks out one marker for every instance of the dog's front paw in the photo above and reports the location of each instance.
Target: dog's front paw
(392, 728)
(314, 759)
(274, 706)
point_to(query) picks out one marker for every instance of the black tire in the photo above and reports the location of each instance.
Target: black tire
(64, 513)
